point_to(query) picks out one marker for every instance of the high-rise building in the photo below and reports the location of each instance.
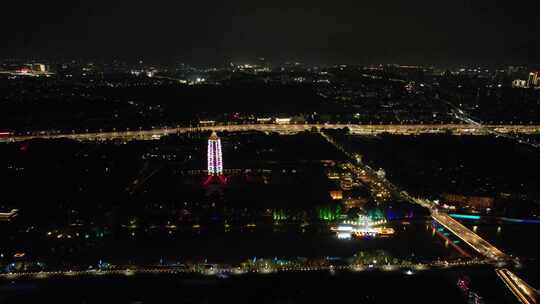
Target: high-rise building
(532, 82)
(39, 68)
(215, 163)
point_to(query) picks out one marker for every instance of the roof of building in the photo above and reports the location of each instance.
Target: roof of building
(214, 136)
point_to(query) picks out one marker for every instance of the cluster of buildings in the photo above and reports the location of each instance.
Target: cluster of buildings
(533, 81)
(478, 203)
(251, 119)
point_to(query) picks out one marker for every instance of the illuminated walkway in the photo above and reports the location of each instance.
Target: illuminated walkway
(218, 269)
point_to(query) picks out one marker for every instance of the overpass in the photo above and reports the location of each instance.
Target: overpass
(368, 129)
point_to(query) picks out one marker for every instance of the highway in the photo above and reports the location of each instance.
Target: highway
(370, 129)
(489, 129)
(521, 290)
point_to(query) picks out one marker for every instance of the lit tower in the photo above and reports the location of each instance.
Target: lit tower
(215, 164)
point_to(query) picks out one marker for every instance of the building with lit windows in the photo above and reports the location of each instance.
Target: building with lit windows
(336, 194)
(533, 81)
(519, 83)
(215, 161)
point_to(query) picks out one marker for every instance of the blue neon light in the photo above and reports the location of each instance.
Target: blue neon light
(525, 221)
(506, 219)
(464, 216)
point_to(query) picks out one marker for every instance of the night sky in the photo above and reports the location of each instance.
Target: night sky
(358, 31)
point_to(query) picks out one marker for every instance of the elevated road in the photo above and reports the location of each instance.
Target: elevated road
(373, 129)
(494, 130)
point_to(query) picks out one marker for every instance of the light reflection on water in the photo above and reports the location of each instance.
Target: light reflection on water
(512, 238)
(416, 238)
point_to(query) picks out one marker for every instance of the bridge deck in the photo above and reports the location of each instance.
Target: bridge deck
(469, 237)
(521, 290)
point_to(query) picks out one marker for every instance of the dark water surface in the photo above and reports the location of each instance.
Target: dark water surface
(414, 239)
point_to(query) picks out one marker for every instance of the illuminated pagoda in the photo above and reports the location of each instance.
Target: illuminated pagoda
(215, 176)
(215, 163)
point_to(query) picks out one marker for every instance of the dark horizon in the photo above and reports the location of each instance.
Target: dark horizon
(317, 32)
